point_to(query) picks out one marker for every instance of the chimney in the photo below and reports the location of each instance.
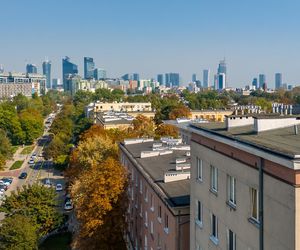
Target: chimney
(296, 129)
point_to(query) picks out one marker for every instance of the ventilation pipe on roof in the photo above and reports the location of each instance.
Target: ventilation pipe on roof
(296, 129)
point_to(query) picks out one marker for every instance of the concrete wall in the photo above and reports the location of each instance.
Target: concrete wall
(235, 121)
(279, 201)
(261, 125)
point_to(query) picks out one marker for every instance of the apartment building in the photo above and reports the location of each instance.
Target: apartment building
(245, 183)
(12, 84)
(159, 193)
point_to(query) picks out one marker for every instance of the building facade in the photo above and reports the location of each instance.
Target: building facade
(100, 74)
(31, 68)
(278, 80)
(12, 84)
(245, 184)
(47, 73)
(160, 79)
(68, 68)
(158, 210)
(89, 67)
(261, 80)
(206, 79)
(172, 80)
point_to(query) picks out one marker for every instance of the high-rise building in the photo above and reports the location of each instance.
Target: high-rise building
(99, 74)
(160, 79)
(68, 68)
(194, 77)
(222, 68)
(31, 68)
(261, 80)
(278, 80)
(172, 80)
(55, 83)
(255, 83)
(47, 73)
(1, 69)
(205, 78)
(221, 81)
(136, 77)
(89, 67)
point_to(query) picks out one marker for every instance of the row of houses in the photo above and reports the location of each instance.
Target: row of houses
(223, 185)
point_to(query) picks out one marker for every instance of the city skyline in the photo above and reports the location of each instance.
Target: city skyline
(161, 44)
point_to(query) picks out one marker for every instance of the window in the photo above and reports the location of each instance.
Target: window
(158, 241)
(214, 178)
(146, 242)
(141, 186)
(231, 240)
(199, 169)
(166, 227)
(132, 194)
(254, 204)
(214, 228)
(231, 190)
(132, 175)
(141, 211)
(199, 213)
(146, 219)
(151, 202)
(146, 193)
(136, 180)
(159, 213)
(151, 227)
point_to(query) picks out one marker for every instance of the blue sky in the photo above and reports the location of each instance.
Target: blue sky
(157, 36)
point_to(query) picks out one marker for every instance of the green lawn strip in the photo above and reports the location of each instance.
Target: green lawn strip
(27, 150)
(57, 242)
(15, 148)
(16, 165)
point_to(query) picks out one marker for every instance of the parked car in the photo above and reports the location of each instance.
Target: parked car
(68, 206)
(23, 175)
(58, 187)
(8, 180)
(31, 161)
(3, 188)
(34, 154)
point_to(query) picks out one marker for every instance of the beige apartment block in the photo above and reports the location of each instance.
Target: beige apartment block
(159, 193)
(245, 184)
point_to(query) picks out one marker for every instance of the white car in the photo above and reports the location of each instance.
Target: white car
(68, 205)
(58, 187)
(31, 161)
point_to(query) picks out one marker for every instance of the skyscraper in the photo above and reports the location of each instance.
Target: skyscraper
(136, 77)
(47, 73)
(160, 79)
(31, 68)
(255, 83)
(172, 80)
(99, 74)
(68, 68)
(278, 80)
(261, 80)
(194, 77)
(1, 69)
(221, 81)
(89, 67)
(222, 69)
(205, 78)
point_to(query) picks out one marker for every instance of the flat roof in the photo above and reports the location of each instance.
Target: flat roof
(282, 141)
(178, 192)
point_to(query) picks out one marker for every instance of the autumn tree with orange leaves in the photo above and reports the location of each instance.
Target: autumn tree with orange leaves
(166, 130)
(180, 112)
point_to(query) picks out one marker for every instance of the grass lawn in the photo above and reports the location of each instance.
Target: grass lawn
(57, 242)
(15, 148)
(16, 165)
(27, 150)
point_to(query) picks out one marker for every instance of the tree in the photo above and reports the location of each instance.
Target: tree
(21, 102)
(18, 233)
(179, 112)
(5, 148)
(32, 124)
(103, 95)
(117, 94)
(36, 202)
(166, 130)
(143, 126)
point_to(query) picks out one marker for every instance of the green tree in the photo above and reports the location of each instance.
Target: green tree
(36, 202)
(5, 148)
(21, 102)
(18, 233)
(103, 95)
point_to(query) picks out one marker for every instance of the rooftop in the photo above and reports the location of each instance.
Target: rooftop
(177, 192)
(281, 141)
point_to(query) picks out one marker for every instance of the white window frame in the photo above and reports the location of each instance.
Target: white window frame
(152, 202)
(231, 188)
(146, 193)
(146, 219)
(233, 247)
(166, 223)
(214, 227)
(141, 185)
(214, 179)
(199, 163)
(151, 228)
(254, 201)
(159, 212)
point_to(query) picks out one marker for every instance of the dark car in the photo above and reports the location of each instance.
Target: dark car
(23, 175)
(3, 187)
